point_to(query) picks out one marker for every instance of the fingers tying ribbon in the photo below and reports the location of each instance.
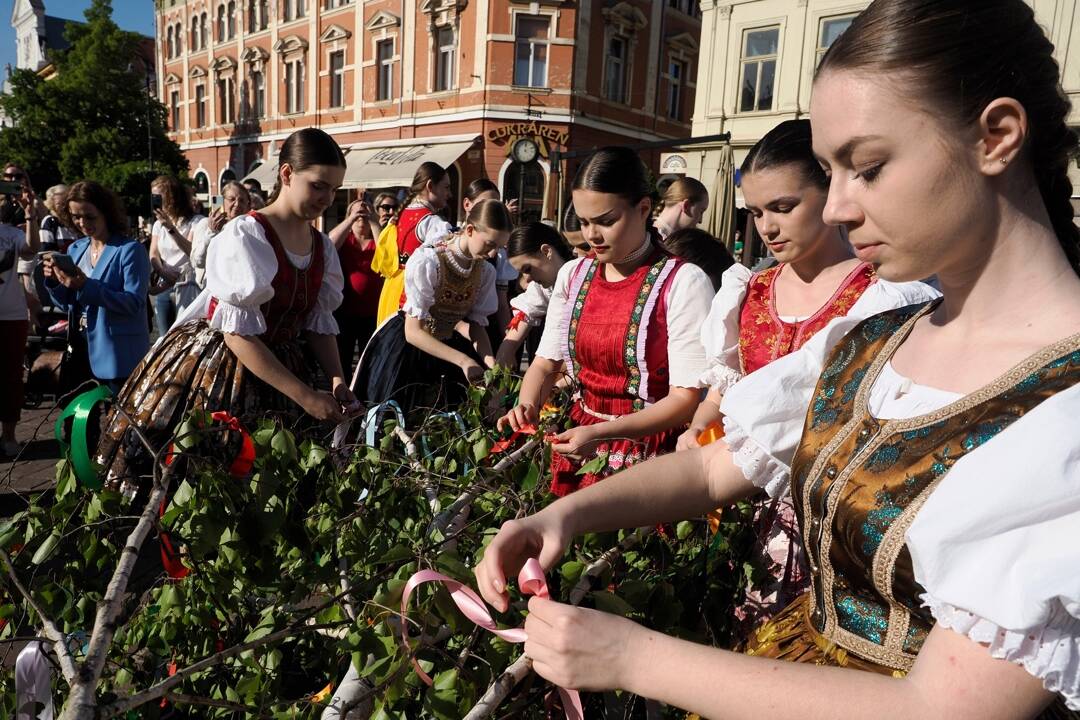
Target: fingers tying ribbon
(531, 581)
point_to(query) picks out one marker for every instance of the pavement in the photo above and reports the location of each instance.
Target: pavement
(34, 469)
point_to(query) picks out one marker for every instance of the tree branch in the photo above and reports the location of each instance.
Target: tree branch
(67, 662)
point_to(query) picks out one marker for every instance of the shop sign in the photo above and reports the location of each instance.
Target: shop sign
(542, 135)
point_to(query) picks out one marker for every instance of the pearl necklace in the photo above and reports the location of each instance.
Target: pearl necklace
(638, 254)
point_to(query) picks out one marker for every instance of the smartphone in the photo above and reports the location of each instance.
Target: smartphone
(10, 188)
(217, 201)
(62, 262)
(155, 201)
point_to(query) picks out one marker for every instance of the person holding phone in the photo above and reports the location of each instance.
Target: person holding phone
(15, 243)
(170, 249)
(102, 282)
(234, 201)
(354, 239)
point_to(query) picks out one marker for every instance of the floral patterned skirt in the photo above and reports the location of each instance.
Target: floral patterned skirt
(191, 368)
(620, 454)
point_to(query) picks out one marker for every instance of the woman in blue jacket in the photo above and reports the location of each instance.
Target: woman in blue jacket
(105, 295)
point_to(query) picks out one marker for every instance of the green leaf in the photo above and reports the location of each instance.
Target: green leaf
(396, 554)
(47, 548)
(611, 603)
(595, 465)
(481, 449)
(684, 529)
(571, 571)
(283, 445)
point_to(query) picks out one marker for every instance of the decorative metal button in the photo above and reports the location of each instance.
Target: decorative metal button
(830, 472)
(817, 616)
(864, 433)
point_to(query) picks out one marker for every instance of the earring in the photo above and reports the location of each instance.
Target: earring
(1004, 161)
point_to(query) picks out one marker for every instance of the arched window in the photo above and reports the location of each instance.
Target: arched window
(202, 185)
(524, 182)
(219, 31)
(178, 37)
(231, 19)
(252, 18)
(169, 42)
(264, 14)
(204, 35)
(195, 33)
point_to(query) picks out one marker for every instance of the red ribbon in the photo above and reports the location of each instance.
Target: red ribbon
(245, 460)
(519, 317)
(531, 581)
(503, 445)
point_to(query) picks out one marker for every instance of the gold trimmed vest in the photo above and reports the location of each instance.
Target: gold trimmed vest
(858, 483)
(455, 294)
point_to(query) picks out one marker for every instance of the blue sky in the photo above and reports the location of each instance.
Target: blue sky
(137, 15)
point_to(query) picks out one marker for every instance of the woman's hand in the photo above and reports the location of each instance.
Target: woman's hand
(218, 218)
(518, 417)
(474, 373)
(71, 282)
(689, 439)
(543, 536)
(578, 648)
(577, 443)
(344, 395)
(322, 406)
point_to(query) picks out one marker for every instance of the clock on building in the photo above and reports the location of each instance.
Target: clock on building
(525, 150)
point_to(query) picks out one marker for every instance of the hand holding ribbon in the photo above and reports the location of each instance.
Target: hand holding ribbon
(531, 581)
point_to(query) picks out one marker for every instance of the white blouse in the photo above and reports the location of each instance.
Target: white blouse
(997, 544)
(533, 303)
(170, 253)
(432, 228)
(687, 304)
(720, 333)
(422, 281)
(240, 270)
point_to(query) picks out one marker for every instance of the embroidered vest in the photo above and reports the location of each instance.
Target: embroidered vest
(858, 482)
(407, 223)
(615, 336)
(295, 291)
(455, 294)
(764, 337)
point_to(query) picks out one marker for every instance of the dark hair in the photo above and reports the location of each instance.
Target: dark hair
(106, 202)
(306, 148)
(963, 55)
(175, 196)
(570, 221)
(428, 172)
(698, 247)
(528, 239)
(789, 143)
(478, 187)
(490, 215)
(683, 188)
(616, 171)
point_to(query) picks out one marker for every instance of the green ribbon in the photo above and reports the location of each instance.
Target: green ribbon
(79, 410)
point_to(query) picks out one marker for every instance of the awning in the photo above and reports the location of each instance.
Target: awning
(395, 165)
(265, 174)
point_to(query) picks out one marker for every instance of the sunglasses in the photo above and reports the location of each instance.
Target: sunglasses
(14, 176)
(388, 208)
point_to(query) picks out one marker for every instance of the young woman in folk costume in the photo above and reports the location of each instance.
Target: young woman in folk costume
(417, 224)
(625, 324)
(933, 458)
(427, 354)
(272, 281)
(538, 252)
(758, 317)
(485, 189)
(682, 205)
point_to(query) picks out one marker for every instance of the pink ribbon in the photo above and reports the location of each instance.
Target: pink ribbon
(531, 581)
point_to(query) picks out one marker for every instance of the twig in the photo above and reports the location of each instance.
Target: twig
(67, 662)
(414, 462)
(156, 691)
(505, 683)
(249, 710)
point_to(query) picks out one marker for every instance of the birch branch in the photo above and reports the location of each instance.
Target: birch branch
(519, 670)
(407, 440)
(67, 662)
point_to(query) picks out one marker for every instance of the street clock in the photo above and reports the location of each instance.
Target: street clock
(525, 150)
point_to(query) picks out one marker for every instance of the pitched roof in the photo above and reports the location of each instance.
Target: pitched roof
(54, 32)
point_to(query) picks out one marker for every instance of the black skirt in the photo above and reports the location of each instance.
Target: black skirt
(392, 369)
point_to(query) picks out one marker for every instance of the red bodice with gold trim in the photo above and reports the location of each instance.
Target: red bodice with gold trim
(410, 218)
(295, 291)
(764, 337)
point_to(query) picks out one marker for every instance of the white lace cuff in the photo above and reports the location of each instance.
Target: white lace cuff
(1050, 653)
(322, 322)
(720, 377)
(238, 320)
(758, 466)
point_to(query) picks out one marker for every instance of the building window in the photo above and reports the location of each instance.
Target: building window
(252, 15)
(337, 78)
(332, 4)
(219, 31)
(615, 69)
(195, 33)
(301, 8)
(230, 20)
(445, 50)
(294, 86)
(226, 100)
(204, 37)
(174, 108)
(169, 42)
(258, 91)
(264, 14)
(676, 77)
(759, 69)
(384, 54)
(831, 29)
(200, 106)
(530, 63)
(286, 10)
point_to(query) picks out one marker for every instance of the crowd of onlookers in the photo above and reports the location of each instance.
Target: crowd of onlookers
(86, 291)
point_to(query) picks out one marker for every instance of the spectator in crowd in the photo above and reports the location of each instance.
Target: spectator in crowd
(56, 230)
(25, 265)
(572, 233)
(15, 243)
(105, 290)
(700, 248)
(484, 189)
(386, 208)
(354, 239)
(170, 250)
(235, 201)
(682, 205)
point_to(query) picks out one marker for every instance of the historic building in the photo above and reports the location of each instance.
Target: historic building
(485, 87)
(758, 59)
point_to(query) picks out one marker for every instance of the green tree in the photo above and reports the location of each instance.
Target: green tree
(94, 119)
